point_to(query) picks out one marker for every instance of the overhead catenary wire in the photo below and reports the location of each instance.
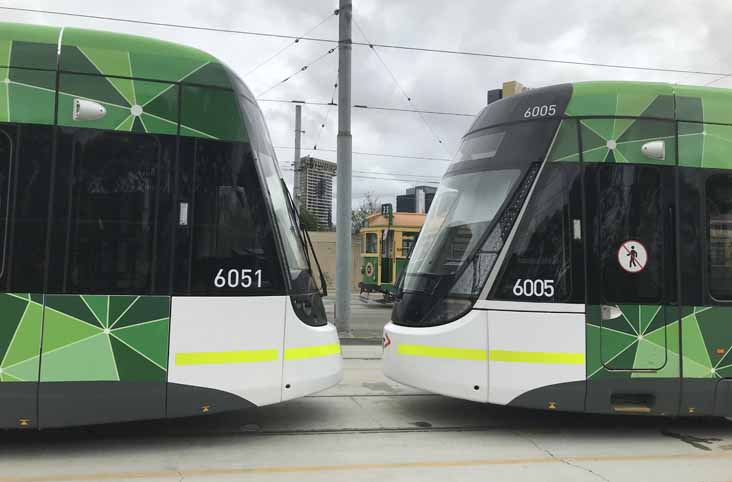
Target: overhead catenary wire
(386, 173)
(397, 83)
(372, 107)
(377, 154)
(300, 70)
(286, 47)
(327, 114)
(376, 178)
(380, 45)
(714, 81)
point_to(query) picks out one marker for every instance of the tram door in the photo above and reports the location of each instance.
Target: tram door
(387, 255)
(632, 334)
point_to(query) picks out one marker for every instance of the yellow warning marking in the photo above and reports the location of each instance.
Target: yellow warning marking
(225, 357)
(443, 352)
(312, 351)
(175, 474)
(550, 358)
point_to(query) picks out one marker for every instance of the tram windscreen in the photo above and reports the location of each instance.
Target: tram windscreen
(297, 262)
(473, 211)
(461, 212)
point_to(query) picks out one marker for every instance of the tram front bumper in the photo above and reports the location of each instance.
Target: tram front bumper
(449, 359)
(492, 355)
(312, 358)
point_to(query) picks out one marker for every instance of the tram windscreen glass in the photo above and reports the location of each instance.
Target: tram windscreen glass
(462, 210)
(470, 218)
(299, 268)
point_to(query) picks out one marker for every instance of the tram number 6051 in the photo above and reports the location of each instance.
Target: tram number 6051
(235, 278)
(534, 287)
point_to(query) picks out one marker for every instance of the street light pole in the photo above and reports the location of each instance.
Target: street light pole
(298, 135)
(344, 154)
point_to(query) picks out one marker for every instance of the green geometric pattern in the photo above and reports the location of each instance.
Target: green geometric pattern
(707, 342)
(623, 99)
(565, 147)
(20, 337)
(84, 338)
(616, 139)
(705, 145)
(105, 338)
(134, 78)
(636, 340)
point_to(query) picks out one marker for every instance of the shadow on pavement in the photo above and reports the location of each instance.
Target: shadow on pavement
(417, 413)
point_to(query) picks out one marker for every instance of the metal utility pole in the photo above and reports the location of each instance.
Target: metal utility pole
(298, 135)
(344, 152)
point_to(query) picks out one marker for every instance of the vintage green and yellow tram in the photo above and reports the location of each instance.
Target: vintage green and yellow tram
(386, 244)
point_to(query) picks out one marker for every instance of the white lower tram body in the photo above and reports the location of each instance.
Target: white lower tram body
(495, 353)
(253, 347)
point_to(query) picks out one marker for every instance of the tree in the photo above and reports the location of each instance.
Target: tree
(371, 204)
(308, 220)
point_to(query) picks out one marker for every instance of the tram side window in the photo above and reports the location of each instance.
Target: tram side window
(371, 243)
(719, 231)
(225, 243)
(6, 163)
(27, 233)
(538, 264)
(111, 213)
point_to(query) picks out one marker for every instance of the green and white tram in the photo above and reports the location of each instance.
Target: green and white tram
(578, 256)
(150, 262)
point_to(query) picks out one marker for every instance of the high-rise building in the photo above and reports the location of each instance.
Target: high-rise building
(314, 188)
(417, 199)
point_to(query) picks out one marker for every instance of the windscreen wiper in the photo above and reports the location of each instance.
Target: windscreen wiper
(306, 242)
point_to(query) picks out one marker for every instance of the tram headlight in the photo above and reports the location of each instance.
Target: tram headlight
(309, 308)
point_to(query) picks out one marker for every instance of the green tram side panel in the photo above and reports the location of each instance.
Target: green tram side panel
(637, 340)
(135, 78)
(20, 336)
(32, 46)
(105, 338)
(625, 116)
(706, 341)
(28, 57)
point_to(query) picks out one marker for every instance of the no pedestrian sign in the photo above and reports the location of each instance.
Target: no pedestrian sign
(632, 256)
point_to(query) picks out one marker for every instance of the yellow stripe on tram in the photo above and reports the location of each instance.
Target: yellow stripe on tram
(550, 358)
(442, 352)
(312, 351)
(225, 357)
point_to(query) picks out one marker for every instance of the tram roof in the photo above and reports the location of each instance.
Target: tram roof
(617, 99)
(107, 53)
(132, 76)
(651, 99)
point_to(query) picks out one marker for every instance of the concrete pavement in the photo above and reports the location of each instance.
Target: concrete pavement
(370, 428)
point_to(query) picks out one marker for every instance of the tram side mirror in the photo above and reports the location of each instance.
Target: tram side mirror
(654, 150)
(87, 110)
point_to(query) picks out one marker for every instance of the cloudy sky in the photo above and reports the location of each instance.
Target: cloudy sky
(678, 34)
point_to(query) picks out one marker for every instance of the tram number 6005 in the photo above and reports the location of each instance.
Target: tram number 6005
(235, 278)
(534, 287)
(540, 111)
